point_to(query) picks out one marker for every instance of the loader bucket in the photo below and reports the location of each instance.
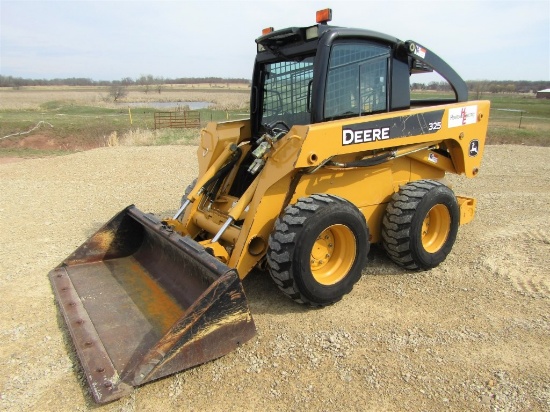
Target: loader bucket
(142, 302)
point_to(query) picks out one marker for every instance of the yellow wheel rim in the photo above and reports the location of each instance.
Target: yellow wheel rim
(333, 254)
(435, 228)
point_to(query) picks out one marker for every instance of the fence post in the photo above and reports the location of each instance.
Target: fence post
(520, 117)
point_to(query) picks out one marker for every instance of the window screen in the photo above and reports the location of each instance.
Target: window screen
(356, 81)
(285, 91)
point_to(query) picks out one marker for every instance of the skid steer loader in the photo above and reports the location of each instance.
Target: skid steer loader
(336, 156)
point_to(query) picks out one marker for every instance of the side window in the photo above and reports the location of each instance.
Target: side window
(356, 80)
(286, 88)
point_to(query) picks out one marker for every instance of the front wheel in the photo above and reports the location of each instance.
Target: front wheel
(420, 224)
(318, 249)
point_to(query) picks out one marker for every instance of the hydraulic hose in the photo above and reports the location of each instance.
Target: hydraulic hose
(213, 184)
(371, 161)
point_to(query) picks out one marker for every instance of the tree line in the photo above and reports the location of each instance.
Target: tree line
(147, 81)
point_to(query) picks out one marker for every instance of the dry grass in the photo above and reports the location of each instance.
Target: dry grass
(148, 137)
(31, 98)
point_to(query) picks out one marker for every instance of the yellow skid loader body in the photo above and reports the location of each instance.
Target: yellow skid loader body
(297, 162)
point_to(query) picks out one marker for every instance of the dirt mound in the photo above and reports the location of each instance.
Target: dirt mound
(471, 334)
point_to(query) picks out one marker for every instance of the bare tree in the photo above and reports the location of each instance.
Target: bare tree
(146, 81)
(479, 87)
(118, 91)
(159, 82)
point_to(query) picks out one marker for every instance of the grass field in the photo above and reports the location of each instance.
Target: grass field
(78, 118)
(38, 121)
(519, 119)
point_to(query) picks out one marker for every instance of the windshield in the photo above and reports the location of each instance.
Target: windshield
(285, 92)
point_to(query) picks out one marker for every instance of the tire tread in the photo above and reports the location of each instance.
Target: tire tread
(398, 218)
(283, 241)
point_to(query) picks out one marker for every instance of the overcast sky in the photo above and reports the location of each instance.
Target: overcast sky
(110, 40)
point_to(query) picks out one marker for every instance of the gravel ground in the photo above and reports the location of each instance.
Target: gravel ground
(472, 334)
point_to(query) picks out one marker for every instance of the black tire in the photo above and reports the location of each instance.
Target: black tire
(314, 269)
(420, 224)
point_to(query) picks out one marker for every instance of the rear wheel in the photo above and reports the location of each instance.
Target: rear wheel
(318, 249)
(420, 224)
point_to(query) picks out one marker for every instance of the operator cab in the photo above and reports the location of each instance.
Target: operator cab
(305, 75)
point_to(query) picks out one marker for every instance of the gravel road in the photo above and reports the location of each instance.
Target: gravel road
(472, 334)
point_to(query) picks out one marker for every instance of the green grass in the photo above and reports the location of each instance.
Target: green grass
(531, 127)
(527, 103)
(511, 135)
(84, 122)
(79, 127)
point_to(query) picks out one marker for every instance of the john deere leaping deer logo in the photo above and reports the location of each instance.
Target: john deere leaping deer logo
(474, 148)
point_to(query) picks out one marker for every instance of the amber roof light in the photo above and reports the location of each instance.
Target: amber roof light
(267, 30)
(324, 16)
